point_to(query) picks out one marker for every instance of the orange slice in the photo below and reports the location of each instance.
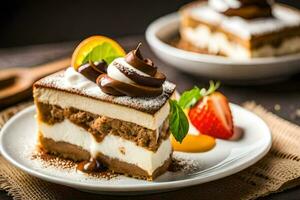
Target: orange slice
(86, 46)
(194, 143)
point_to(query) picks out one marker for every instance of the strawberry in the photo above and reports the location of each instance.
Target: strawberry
(212, 116)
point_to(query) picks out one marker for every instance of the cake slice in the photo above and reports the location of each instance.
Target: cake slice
(82, 120)
(240, 29)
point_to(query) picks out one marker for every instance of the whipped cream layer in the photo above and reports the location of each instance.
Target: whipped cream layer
(217, 42)
(115, 73)
(283, 17)
(110, 146)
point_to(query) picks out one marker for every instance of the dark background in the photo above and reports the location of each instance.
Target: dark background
(25, 22)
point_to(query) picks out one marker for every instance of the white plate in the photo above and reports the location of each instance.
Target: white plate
(212, 66)
(18, 140)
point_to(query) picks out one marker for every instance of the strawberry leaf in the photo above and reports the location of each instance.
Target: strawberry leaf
(212, 88)
(191, 97)
(178, 122)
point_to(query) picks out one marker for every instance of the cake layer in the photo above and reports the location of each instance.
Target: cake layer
(71, 81)
(203, 38)
(78, 92)
(284, 19)
(113, 147)
(76, 153)
(66, 100)
(100, 126)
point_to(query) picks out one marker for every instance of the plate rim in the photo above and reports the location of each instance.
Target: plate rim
(165, 20)
(158, 186)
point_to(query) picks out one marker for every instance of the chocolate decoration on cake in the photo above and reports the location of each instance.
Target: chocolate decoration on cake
(132, 76)
(156, 80)
(117, 88)
(247, 9)
(135, 59)
(87, 71)
(92, 70)
(99, 66)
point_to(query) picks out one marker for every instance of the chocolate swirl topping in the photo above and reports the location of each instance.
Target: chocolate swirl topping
(133, 76)
(135, 59)
(247, 9)
(92, 70)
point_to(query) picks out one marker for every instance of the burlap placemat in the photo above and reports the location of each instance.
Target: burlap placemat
(277, 171)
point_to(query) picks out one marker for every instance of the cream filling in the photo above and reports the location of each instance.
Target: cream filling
(122, 62)
(114, 73)
(67, 100)
(216, 42)
(291, 45)
(110, 146)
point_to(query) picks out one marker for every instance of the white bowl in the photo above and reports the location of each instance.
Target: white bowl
(218, 67)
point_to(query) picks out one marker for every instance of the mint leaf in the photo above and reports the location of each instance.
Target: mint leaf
(189, 98)
(178, 122)
(104, 52)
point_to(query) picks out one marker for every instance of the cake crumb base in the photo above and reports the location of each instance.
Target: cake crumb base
(74, 153)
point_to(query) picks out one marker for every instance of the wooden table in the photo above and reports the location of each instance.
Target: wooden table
(281, 98)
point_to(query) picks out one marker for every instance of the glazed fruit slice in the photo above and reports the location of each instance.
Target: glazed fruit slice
(212, 116)
(194, 143)
(103, 47)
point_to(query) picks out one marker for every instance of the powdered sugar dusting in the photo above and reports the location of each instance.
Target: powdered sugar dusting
(283, 17)
(72, 81)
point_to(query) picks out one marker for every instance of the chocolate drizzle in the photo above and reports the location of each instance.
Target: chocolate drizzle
(145, 80)
(249, 9)
(92, 165)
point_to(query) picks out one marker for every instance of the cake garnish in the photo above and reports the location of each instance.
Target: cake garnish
(132, 76)
(136, 59)
(96, 49)
(208, 111)
(179, 124)
(93, 54)
(92, 70)
(248, 9)
(191, 97)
